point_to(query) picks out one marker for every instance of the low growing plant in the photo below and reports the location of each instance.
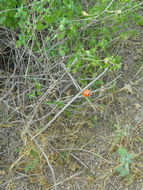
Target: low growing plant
(37, 90)
(34, 161)
(125, 161)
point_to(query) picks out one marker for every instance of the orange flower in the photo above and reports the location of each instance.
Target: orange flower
(86, 93)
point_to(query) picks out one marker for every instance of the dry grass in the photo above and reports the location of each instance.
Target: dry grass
(73, 145)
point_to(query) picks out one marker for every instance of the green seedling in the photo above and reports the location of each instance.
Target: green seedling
(34, 161)
(37, 90)
(125, 161)
(65, 155)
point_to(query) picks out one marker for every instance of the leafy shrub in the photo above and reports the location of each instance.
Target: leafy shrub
(81, 34)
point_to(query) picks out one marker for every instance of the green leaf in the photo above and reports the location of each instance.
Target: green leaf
(48, 19)
(32, 165)
(19, 43)
(88, 53)
(95, 63)
(67, 113)
(32, 95)
(39, 93)
(66, 2)
(129, 158)
(18, 149)
(49, 103)
(34, 153)
(38, 85)
(62, 52)
(40, 26)
(123, 172)
(122, 152)
(59, 103)
(65, 155)
(62, 27)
